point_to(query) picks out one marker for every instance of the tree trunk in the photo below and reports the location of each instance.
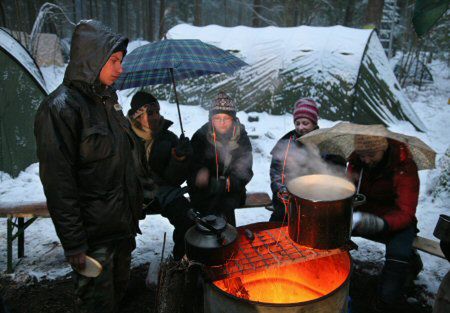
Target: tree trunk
(256, 21)
(151, 21)
(349, 11)
(198, 13)
(225, 12)
(162, 9)
(2, 15)
(374, 12)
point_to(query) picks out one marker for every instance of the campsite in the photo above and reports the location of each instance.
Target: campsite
(351, 72)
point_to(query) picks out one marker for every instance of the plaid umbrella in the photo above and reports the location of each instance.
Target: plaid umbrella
(340, 139)
(166, 61)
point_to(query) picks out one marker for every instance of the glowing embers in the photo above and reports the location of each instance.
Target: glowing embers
(292, 283)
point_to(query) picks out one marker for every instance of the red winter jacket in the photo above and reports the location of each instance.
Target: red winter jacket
(391, 188)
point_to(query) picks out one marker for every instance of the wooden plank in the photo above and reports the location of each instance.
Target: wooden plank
(39, 209)
(24, 209)
(257, 199)
(429, 246)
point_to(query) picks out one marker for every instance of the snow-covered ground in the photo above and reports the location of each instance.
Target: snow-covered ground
(44, 255)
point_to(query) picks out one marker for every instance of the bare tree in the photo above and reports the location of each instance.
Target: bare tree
(198, 13)
(256, 21)
(162, 13)
(2, 14)
(151, 20)
(349, 12)
(374, 12)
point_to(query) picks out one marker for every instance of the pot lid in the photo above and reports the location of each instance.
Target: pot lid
(217, 222)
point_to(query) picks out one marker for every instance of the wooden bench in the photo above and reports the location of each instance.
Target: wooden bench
(20, 216)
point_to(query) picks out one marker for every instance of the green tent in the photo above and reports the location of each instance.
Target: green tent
(427, 13)
(344, 69)
(22, 88)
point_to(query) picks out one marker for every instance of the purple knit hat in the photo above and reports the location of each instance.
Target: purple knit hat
(306, 108)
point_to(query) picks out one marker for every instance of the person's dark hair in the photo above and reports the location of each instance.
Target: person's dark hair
(141, 99)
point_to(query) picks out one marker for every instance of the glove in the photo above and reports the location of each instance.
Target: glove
(184, 147)
(217, 186)
(283, 194)
(367, 224)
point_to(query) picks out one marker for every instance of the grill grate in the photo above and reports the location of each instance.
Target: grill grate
(271, 247)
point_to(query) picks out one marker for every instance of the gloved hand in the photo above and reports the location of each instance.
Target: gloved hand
(217, 186)
(184, 147)
(367, 224)
(283, 194)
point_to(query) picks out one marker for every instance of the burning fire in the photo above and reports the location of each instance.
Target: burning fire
(291, 283)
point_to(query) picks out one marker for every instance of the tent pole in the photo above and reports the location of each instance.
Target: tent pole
(176, 99)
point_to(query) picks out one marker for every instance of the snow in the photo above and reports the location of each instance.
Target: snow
(328, 56)
(13, 47)
(44, 256)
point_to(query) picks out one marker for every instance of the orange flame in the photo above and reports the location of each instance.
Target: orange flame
(292, 283)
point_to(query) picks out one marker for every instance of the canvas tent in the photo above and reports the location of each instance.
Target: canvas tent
(344, 69)
(22, 88)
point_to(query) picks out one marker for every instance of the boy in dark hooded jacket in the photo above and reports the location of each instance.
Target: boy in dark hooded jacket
(223, 161)
(85, 146)
(165, 167)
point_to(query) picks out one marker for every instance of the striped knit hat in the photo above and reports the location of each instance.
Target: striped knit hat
(223, 104)
(306, 108)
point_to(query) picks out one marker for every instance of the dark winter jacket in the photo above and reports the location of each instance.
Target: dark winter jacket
(228, 159)
(162, 166)
(391, 188)
(85, 146)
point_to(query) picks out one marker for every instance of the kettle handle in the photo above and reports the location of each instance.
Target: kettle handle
(195, 216)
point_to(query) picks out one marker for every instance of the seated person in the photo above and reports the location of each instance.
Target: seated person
(165, 162)
(222, 166)
(290, 158)
(390, 183)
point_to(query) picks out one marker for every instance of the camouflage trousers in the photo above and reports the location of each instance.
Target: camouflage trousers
(103, 293)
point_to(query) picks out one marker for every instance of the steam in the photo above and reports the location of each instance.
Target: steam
(306, 160)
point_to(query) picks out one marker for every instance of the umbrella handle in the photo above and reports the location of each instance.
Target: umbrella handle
(359, 181)
(176, 99)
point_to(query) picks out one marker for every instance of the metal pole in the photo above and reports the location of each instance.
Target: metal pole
(21, 237)
(176, 100)
(9, 252)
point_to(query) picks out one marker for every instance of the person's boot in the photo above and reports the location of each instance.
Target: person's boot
(415, 267)
(392, 282)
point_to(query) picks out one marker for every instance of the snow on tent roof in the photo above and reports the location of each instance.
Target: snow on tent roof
(344, 69)
(22, 88)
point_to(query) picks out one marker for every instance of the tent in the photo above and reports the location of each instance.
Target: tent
(344, 69)
(22, 88)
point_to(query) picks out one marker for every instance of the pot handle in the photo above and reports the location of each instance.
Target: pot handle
(359, 199)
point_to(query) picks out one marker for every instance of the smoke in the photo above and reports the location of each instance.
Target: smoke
(307, 160)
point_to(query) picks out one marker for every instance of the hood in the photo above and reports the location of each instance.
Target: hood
(92, 45)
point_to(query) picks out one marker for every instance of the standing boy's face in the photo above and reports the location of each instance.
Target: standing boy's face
(112, 69)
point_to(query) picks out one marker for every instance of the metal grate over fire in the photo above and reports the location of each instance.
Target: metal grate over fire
(262, 248)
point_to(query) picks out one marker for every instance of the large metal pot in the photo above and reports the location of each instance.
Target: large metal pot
(320, 211)
(212, 241)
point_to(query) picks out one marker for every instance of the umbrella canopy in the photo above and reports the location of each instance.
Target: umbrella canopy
(340, 139)
(150, 64)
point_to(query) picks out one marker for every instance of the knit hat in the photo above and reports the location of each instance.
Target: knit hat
(141, 102)
(223, 104)
(306, 108)
(365, 143)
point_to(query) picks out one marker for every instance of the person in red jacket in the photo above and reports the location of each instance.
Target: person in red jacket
(390, 182)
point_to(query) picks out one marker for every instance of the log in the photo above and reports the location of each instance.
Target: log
(429, 246)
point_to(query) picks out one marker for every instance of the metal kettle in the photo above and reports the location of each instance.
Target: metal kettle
(212, 241)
